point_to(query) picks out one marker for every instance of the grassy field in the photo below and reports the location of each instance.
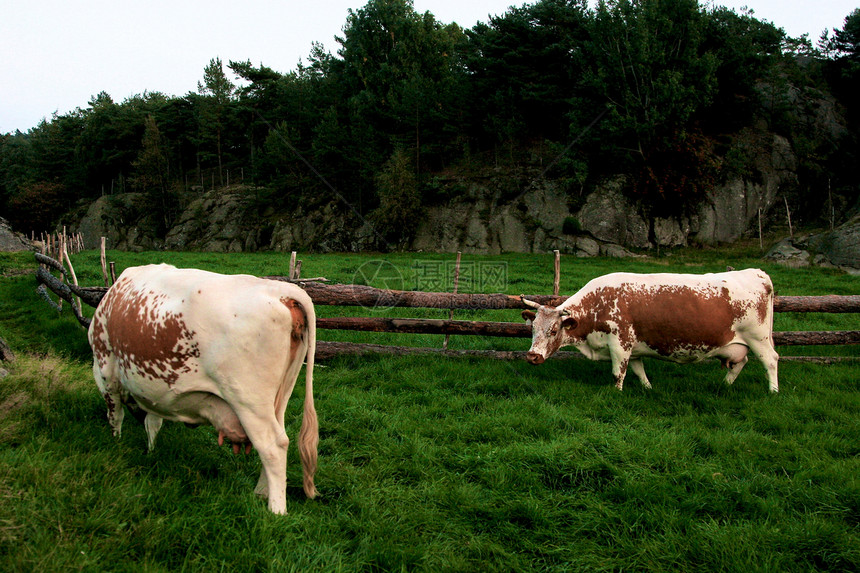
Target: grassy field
(444, 464)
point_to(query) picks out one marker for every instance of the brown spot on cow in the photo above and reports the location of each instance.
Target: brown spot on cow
(664, 318)
(300, 321)
(765, 302)
(668, 319)
(142, 335)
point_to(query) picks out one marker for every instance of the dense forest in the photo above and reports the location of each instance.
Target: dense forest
(654, 89)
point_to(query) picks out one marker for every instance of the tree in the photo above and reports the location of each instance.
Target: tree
(217, 92)
(37, 205)
(397, 69)
(397, 216)
(650, 65)
(746, 49)
(151, 171)
(525, 67)
(847, 40)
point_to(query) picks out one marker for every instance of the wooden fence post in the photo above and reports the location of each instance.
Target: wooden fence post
(456, 284)
(556, 283)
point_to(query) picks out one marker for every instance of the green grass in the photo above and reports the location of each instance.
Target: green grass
(443, 464)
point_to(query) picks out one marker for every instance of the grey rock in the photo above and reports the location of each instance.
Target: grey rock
(587, 247)
(610, 217)
(615, 251)
(671, 232)
(11, 241)
(840, 247)
(785, 253)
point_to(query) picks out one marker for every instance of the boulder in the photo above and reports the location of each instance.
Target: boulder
(587, 247)
(786, 253)
(840, 247)
(671, 231)
(615, 251)
(11, 241)
(610, 217)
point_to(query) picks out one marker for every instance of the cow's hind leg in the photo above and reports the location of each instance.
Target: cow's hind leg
(639, 369)
(767, 354)
(271, 442)
(152, 423)
(110, 391)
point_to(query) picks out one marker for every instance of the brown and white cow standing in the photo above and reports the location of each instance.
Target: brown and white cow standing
(202, 348)
(624, 317)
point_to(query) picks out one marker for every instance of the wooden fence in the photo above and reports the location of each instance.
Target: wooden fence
(369, 297)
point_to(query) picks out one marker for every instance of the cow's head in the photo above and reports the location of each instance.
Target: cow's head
(551, 329)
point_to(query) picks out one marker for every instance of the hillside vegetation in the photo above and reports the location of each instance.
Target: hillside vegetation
(675, 95)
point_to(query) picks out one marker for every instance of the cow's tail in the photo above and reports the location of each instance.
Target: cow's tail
(309, 436)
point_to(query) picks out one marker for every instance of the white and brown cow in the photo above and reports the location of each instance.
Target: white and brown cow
(202, 348)
(624, 317)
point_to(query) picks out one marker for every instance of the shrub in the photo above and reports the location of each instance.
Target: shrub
(571, 226)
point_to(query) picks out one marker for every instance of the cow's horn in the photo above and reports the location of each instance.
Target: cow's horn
(528, 302)
(565, 312)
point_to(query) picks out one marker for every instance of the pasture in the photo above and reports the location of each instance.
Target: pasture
(437, 464)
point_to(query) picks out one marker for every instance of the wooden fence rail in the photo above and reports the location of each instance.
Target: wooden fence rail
(522, 330)
(373, 298)
(370, 297)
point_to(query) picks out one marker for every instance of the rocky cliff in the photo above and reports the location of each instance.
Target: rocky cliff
(498, 212)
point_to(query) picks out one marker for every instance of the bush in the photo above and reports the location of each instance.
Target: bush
(571, 226)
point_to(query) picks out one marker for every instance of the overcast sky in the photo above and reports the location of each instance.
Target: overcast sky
(56, 54)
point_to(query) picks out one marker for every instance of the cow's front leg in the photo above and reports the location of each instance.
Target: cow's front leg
(639, 369)
(620, 360)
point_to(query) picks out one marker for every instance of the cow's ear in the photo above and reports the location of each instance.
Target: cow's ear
(569, 323)
(528, 316)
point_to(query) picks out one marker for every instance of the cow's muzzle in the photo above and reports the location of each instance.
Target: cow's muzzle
(535, 358)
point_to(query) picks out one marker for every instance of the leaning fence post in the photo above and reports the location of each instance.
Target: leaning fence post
(104, 262)
(112, 272)
(65, 255)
